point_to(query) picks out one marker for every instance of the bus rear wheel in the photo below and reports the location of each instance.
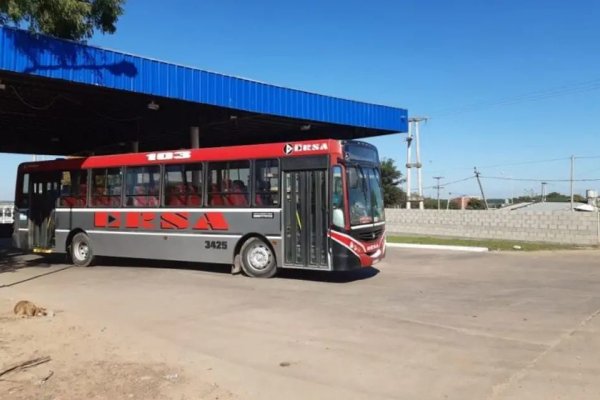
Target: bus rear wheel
(81, 252)
(258, 260)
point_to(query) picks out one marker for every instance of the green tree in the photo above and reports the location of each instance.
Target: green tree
(67, 19)
(454, 205)
(431, 204)
(475, 204)
(551, 197)
(391, 177)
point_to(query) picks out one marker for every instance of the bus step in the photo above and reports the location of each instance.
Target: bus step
(41, 250)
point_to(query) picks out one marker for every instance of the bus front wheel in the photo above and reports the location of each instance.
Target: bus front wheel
(81, 250)
(258, 259)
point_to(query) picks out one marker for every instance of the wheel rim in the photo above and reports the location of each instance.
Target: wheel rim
(259, 257)
(81, 250)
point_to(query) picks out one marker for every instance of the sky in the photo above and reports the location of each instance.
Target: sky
(512, 87)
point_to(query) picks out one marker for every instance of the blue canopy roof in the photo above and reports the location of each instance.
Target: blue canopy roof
(26, 53)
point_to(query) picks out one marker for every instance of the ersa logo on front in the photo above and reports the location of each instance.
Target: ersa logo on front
(290, 148)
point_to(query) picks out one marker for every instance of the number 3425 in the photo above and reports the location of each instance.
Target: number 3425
(215, 244)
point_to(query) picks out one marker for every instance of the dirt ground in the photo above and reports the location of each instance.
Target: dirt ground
(86, 363)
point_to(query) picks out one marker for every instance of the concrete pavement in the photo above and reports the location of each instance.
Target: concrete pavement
(424, 324)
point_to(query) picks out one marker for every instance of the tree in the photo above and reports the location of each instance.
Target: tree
(391, 177)
(475, 204)
(67, 19)
(551, 197)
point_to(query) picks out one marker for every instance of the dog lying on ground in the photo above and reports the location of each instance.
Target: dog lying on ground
(26, 308)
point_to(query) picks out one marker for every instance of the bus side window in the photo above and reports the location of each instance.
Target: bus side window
(228, 184)
(183, 185)
(142, 186)
(22, 198)
(106, 187)
(266, 183)
(337, 197)
(73, 188)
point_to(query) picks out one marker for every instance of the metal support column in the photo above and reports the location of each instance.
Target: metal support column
(419, 165)
(194, 137)
(409, 164)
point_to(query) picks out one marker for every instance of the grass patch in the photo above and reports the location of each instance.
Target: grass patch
(492, 244)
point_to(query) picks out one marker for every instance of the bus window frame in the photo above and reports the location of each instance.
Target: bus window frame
(19, 194)
(91, 182)
(79, 196)
(223, 194)
(201, 192)
(344, 195)
(124, 182)
(253, 183)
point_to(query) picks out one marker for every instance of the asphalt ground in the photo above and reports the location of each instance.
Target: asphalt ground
(422, 324)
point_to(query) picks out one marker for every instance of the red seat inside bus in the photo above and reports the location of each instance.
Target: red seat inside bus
(145, 196)
(239, 194)
(236, 195)
(106, 201)
(100, 198)
(215, 196)
(176, 196)
(75, 200)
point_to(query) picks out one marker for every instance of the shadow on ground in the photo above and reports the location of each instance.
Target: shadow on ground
(12, 259)
(298, 274)
(330, 277)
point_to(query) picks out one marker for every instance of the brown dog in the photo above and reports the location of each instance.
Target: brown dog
(26, 308)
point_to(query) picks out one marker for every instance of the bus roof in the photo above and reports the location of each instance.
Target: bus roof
(255, 151)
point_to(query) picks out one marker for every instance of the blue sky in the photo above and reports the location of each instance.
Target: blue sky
(503, 82)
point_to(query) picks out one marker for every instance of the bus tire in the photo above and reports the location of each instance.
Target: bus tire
(258, 259)
(81, 251)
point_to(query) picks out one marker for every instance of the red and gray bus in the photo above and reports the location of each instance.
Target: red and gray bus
(308, 204)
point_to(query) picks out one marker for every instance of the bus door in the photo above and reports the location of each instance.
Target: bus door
(44, 192)
(305, 218)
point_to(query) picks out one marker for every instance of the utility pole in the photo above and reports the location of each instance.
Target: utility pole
(572, 175)
(413, 133)
(438, 187)
(544, 191)
(477, 173)
(408, 165)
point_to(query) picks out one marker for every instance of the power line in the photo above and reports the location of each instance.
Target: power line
(451, 183)
(520, 163)
(504, 178)
(573, 88)
(526, 162)
(513, 164)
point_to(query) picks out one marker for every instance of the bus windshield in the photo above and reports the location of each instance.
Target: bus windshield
(364, 192)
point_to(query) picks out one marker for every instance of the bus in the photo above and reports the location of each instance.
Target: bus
(308, 204)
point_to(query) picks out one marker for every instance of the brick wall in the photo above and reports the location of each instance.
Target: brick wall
(555, 227)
